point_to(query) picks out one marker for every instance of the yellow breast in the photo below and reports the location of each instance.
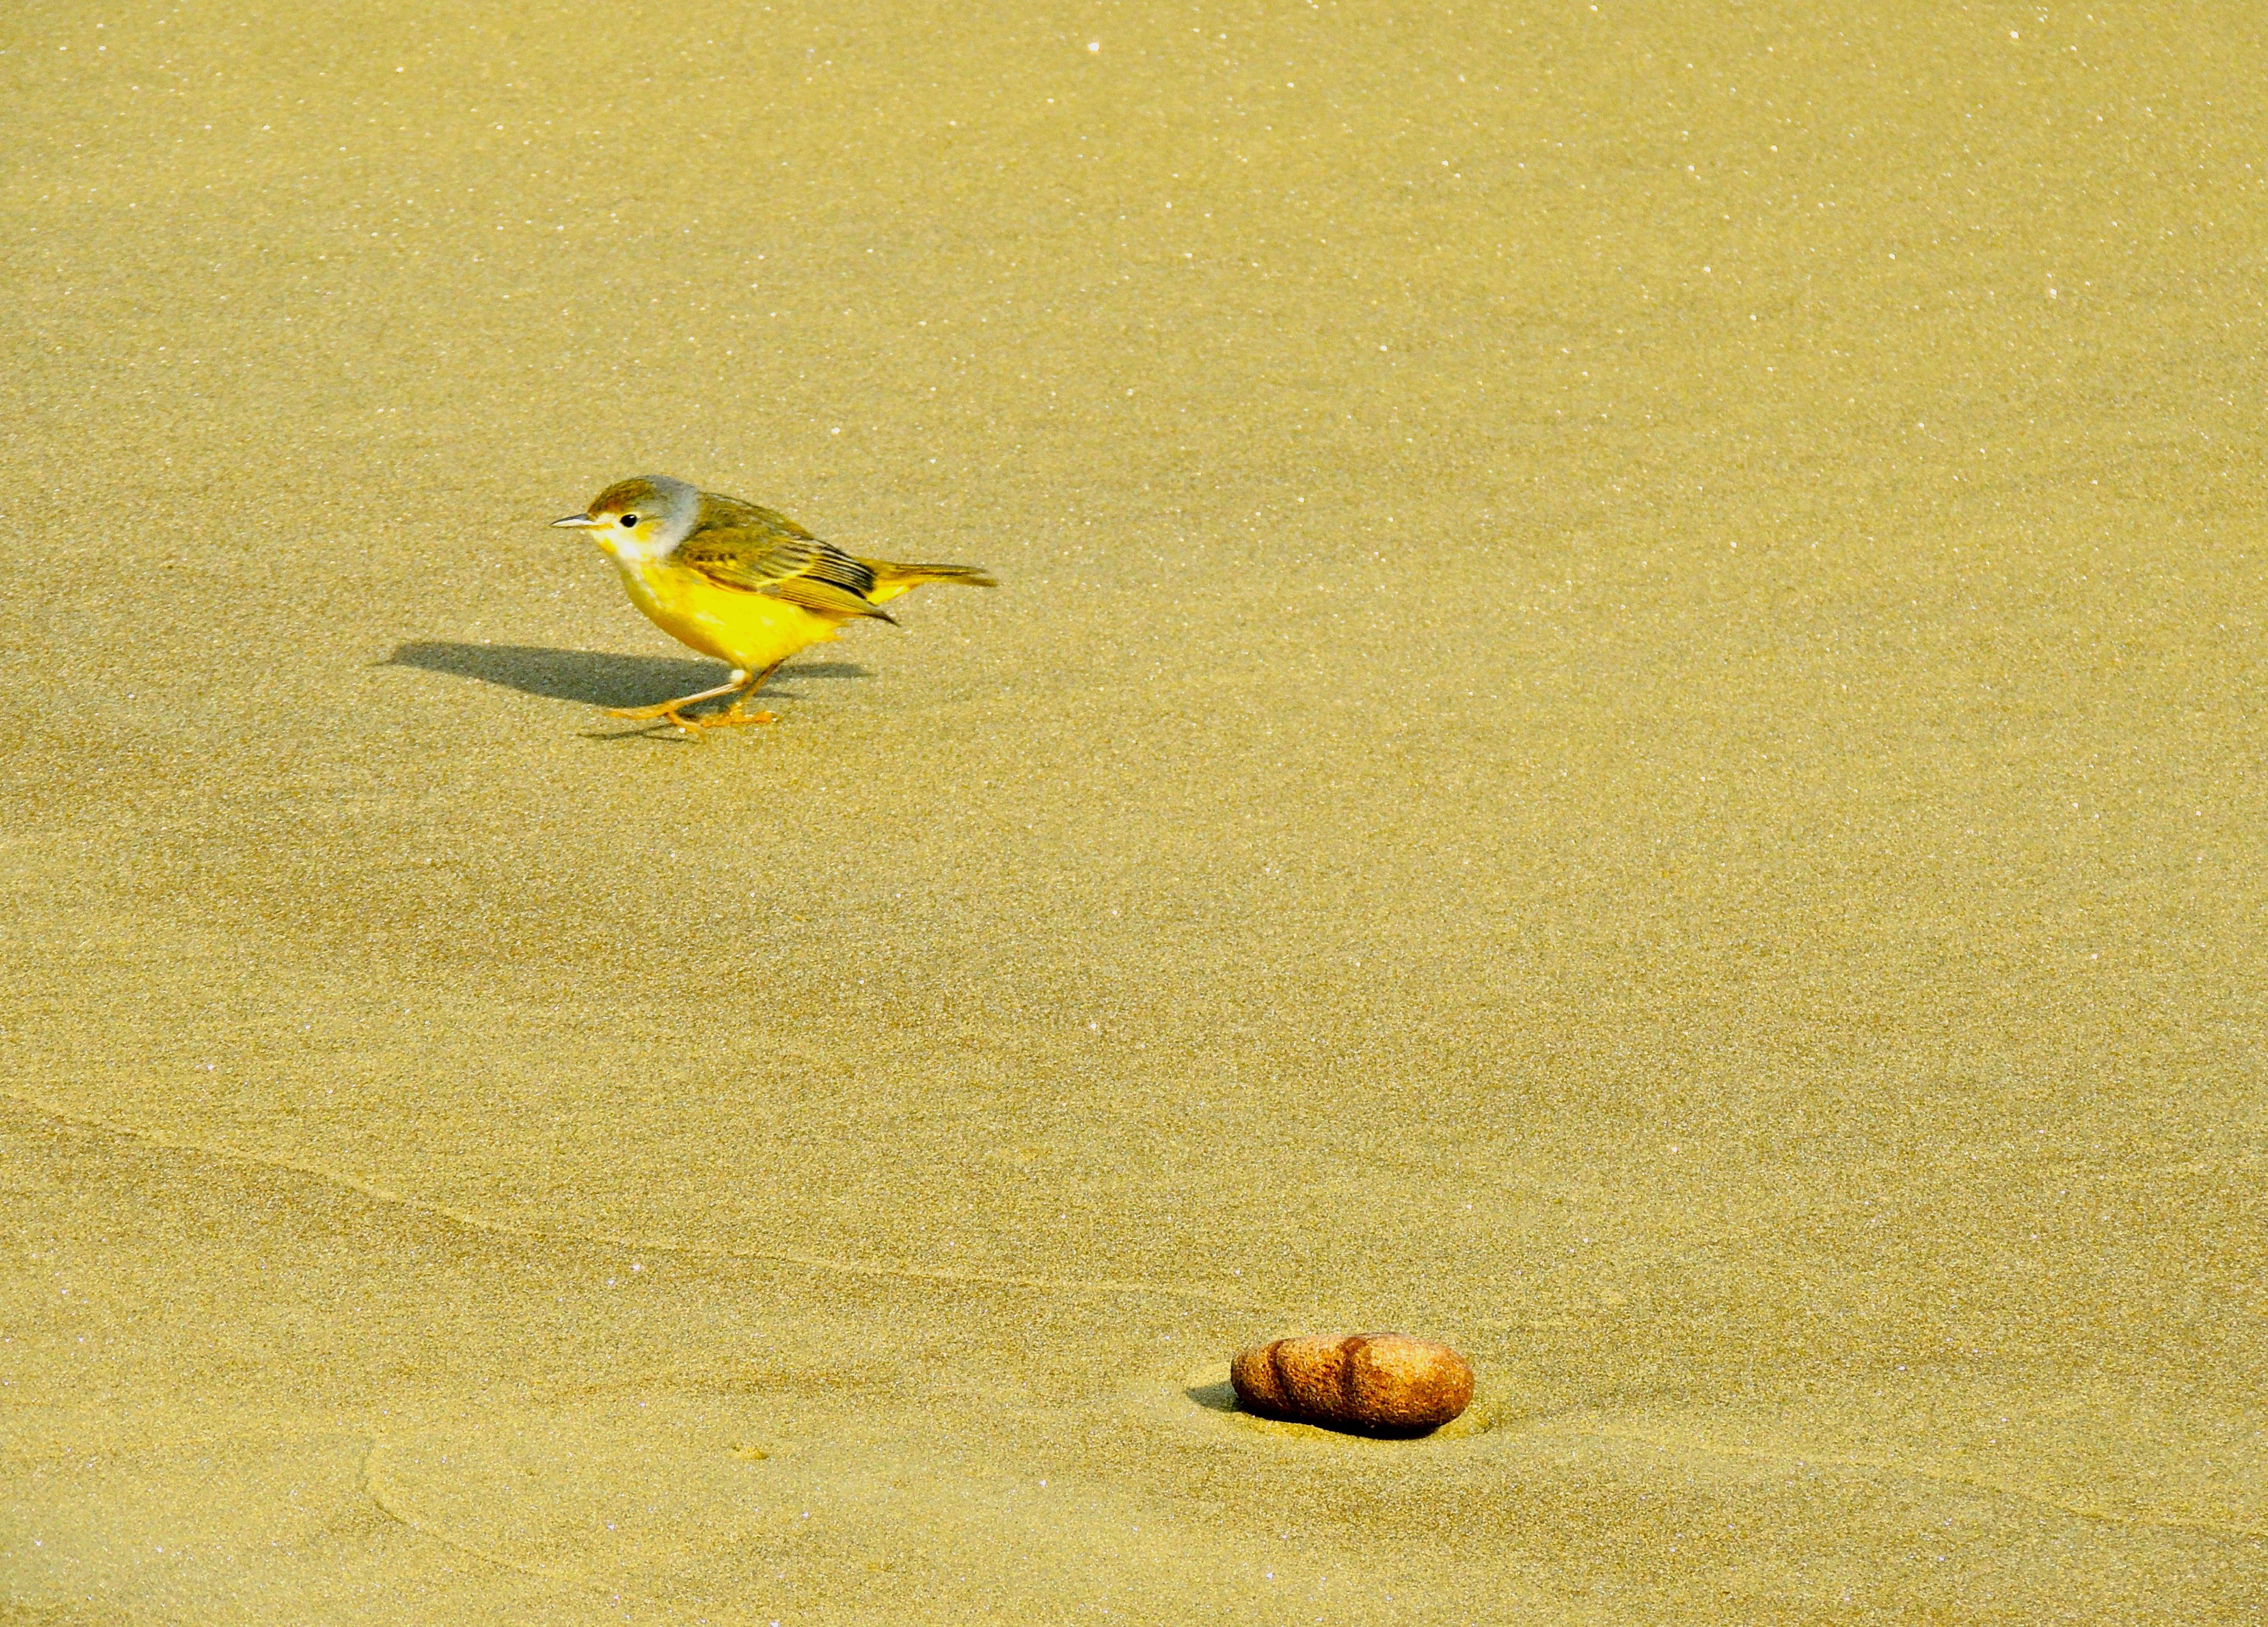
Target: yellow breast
(751, 631)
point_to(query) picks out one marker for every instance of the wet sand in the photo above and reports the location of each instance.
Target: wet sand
(1623, 728)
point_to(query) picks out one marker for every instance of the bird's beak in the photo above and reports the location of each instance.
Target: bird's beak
(579, 519)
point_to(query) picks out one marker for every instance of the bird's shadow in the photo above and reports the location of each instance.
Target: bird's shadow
(590, 676)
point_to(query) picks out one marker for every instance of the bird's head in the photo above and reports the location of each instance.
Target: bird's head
(640, 519)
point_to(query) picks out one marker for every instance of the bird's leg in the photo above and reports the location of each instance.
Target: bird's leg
(736, 713)
(672, 709)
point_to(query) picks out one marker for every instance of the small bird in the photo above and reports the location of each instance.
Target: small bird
(737, 581)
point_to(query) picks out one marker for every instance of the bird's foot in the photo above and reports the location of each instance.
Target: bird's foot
(674, 713)
(687, 728)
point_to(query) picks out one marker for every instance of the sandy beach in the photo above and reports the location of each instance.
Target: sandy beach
(1623, 728)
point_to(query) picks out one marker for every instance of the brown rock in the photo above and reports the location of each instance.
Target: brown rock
(1385, 1382)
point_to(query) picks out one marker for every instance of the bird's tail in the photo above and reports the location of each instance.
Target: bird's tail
(890, 579)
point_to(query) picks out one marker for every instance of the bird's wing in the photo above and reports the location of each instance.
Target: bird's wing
(757, 550)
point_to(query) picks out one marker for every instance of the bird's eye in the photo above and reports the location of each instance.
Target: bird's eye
(629, 519)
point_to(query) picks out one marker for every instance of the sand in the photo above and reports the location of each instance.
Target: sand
(1623, 728)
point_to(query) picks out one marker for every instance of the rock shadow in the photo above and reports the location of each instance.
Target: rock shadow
(1220, 1397)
